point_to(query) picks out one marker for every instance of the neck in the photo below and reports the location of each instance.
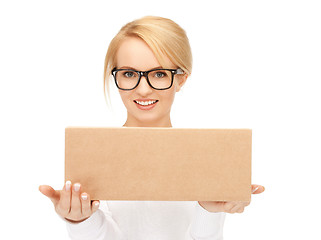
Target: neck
(131, 122)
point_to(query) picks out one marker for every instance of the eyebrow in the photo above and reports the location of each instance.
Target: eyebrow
(127, 67)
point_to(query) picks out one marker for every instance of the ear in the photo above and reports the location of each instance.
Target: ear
(181, 81)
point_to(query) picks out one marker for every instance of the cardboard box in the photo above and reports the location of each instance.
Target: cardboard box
(161, 164)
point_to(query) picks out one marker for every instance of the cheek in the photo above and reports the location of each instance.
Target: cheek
(125, 97)
(168, 97)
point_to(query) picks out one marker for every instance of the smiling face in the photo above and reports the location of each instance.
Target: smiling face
(134, 53)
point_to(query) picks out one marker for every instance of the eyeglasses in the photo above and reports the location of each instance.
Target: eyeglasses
(159, 79)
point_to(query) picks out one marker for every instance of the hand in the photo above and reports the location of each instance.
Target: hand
(229, 207)
(69, 203)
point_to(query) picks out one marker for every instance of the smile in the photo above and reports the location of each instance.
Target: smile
(145, 103)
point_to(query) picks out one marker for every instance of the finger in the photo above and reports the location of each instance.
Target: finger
(228, 206)
(238, 206)
(50, 193)
(95, 205)
(64, 204)
(75, 208)
(238, 209)
(85, 205)
(256, 189)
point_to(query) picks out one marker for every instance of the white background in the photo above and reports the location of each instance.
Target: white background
(256, 65)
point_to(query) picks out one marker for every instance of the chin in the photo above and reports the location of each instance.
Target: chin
(148, 119)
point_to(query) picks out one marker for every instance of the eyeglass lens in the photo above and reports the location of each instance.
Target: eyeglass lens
(159, 79)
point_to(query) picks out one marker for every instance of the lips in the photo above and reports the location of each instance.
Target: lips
(146, 104)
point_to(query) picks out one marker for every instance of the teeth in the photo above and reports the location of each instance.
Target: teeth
(145, 103)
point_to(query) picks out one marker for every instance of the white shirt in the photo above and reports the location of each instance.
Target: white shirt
(149, 220)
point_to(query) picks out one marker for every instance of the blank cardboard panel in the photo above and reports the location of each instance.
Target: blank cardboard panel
(161, 164)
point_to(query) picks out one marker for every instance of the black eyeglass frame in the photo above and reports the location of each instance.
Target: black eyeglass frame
(145, 74)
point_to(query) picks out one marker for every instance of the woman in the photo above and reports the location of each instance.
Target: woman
(150, 60)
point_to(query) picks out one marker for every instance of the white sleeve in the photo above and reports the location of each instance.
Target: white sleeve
(206, 225)
(99, 226)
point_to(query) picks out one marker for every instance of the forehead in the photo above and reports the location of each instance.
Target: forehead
(134, 52)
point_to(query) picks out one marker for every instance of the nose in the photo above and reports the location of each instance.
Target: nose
(143, 87)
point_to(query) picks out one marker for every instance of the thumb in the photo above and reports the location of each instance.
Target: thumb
(50, 193)
(257, 189)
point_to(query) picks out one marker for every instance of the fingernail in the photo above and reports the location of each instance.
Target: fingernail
(96, 204)
(255, 189)
(68, 185)
(76, 187)
(84, 197)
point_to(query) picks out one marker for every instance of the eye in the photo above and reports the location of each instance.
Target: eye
(159, 74)
(129, 74)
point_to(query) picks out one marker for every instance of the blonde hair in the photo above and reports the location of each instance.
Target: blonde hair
(165, 38)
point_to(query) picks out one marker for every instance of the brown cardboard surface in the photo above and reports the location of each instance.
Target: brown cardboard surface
(161, 164)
